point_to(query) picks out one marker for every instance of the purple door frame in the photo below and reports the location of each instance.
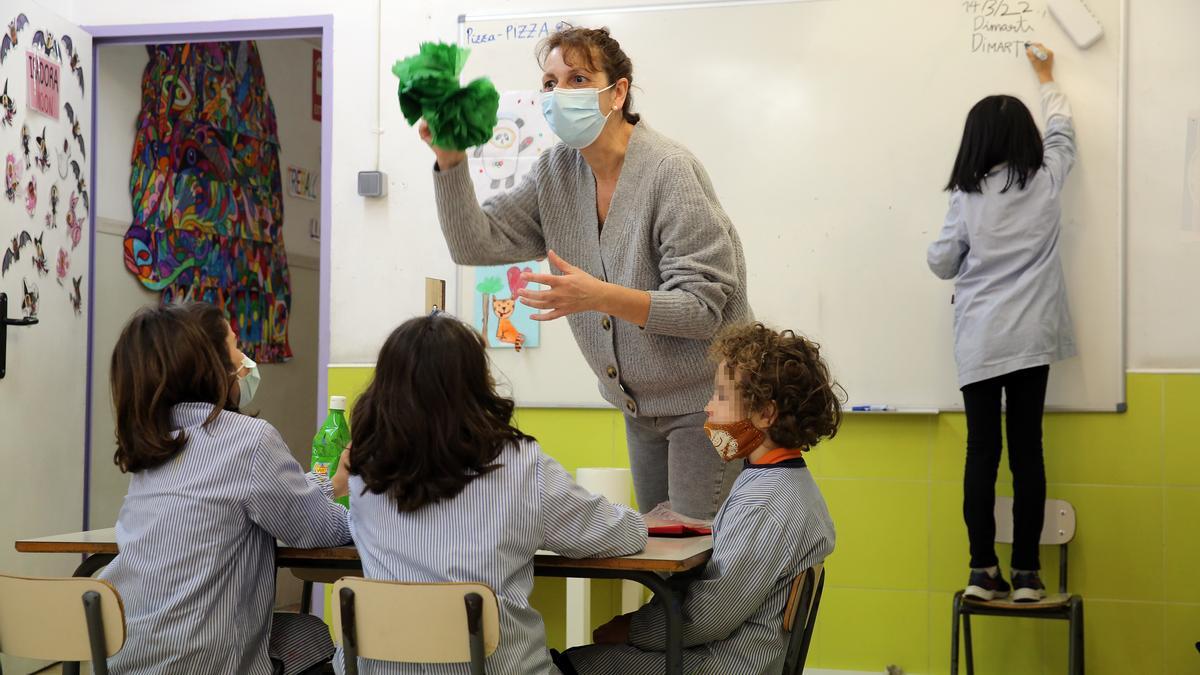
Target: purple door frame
(208, 31)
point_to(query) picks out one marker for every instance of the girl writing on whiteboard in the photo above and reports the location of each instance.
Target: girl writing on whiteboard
(648, 265)
(1011, 321)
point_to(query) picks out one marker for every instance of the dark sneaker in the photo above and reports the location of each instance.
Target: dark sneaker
(1027, 587)
(983, 586)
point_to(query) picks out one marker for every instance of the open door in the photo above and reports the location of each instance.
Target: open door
(45, 142)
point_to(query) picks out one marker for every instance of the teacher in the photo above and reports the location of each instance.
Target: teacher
(647, 265)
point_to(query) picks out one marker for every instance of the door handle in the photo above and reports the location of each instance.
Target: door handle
(5, 322)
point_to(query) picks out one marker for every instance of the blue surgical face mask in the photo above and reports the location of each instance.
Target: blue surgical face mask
(574, 115)
(248, 384)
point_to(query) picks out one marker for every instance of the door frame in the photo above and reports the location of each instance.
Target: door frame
(320, 25)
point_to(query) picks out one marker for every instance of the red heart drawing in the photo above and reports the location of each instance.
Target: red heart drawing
(515, 282)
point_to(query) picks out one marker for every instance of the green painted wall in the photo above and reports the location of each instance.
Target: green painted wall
(894, 487)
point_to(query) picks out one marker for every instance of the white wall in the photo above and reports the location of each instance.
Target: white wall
(287, 388)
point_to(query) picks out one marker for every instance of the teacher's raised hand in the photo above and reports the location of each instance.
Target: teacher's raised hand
(446, 159)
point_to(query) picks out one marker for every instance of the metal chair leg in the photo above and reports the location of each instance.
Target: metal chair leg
(95, 629)
(954, 619)
(474, 603)
(967, 638)
(1075, 623)
(306, 598)
(349, 633)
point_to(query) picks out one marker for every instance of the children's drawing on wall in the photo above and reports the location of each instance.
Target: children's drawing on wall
(520, 136)
(503, 321)
(1191, 177)
(207, 191)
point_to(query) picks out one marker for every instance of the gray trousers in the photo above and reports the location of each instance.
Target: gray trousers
(672, 460)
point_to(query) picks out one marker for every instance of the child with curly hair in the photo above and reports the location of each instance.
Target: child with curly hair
(773, 400)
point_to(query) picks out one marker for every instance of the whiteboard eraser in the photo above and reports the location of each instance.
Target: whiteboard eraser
(1077, 21)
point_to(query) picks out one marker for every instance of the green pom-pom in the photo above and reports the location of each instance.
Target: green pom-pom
(466, 118)
(434, 58)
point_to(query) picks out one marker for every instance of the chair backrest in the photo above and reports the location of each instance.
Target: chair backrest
(1058, 528)
(415, 623)
(45, 619)
(801, 612)
(323, 575)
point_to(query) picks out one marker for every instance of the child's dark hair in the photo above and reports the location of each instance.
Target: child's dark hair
(598, 51)
(431, 421)
(166, 356)
(999, 129)
(787, 370)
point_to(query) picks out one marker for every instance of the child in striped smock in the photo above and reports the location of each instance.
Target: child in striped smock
(773, 400)
(211, 491)
(444, 488)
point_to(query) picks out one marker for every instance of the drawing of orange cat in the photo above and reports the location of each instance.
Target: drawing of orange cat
(506, 331)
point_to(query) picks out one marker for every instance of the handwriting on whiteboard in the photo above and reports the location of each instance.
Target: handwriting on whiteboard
(1000, 26)
(533, 30)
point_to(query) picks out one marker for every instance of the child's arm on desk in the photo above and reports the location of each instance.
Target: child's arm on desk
(579, 524)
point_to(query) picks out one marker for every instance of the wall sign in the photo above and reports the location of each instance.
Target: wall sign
(42, 78)
(316, 85)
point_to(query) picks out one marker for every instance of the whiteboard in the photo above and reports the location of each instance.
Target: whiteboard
(829, 129)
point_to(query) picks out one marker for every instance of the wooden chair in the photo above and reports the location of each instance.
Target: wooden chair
(801, 610)
(69, 620)
(1058, 530)
(415, 623)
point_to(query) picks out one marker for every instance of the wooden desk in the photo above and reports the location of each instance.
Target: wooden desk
(663, 556)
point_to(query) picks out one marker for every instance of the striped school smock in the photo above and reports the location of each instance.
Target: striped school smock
(773, 526)
(197, 536)
(488, 534)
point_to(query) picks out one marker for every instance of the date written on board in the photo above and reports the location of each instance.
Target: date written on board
(514, 31)
(999, 26)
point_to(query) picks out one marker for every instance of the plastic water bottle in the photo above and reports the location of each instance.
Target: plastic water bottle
(331, 441)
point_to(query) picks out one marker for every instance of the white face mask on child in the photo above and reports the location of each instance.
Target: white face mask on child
(248, 383)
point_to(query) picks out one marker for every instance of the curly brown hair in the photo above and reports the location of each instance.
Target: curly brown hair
(786, 369)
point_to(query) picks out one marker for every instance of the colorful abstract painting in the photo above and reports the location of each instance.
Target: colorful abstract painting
(207, 192)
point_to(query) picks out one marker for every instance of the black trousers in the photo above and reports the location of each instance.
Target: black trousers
(1025, 393)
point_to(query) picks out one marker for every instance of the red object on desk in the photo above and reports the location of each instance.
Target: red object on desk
(678, 530)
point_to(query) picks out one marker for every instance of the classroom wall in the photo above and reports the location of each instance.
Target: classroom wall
(893, 483)
(287, 387)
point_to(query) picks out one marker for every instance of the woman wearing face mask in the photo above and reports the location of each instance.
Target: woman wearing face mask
(648, 266)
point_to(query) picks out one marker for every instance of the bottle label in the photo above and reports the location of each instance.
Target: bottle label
(321, 469)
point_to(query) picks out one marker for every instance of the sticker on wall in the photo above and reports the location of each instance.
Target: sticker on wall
(6, 104)
(39, 256)
(45, 40)
(76, 295)
(74, 222)
(11, 38)
(31, 196)
(303, 183)
(74, 64)
(76, 133)
(12, 254)
(12, 177)
(503, 321)
(29, 299)
(80, 186)
(25, 144)
(42, 158)
(63, 267)
(52, 214)
(41, 77)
